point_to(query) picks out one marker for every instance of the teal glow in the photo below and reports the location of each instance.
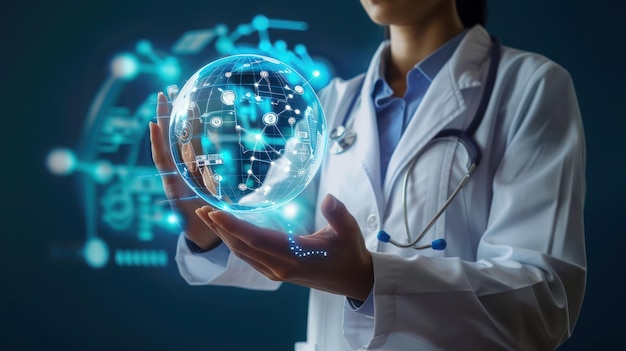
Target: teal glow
(260, 23)
(96, 253)
(227, 156)
(125, 66)
(287, 24)
(221, 29)
(321, 72)
(172, 219)
(141, 258)
(144, 47)
(169, 69)
(102, 172)
(290, 211)
(62, 161)
(280, 45)
(225, 45)
(265, 45)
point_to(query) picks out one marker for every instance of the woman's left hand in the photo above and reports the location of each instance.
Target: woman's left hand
(333, 259)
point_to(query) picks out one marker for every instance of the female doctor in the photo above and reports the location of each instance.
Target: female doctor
(512, 276)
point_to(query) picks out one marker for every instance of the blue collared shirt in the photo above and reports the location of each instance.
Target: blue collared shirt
(395, 113)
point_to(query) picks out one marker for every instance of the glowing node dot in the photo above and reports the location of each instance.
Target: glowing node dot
(297, 250)
(125, 66)
(228, 74)
(270, 118)
(61, 161)
(216, 122)
(242, 186)
(264, 74)
(172, 219)
(290, 211)
(291, 121)
(228, 97)
(299, 89)
(218, 177)
(260, 23)
(96, 253)
(103, 172)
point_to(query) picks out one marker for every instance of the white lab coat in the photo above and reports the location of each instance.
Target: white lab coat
(513, 274)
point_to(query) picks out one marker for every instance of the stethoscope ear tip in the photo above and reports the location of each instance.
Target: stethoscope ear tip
(439, 244)
(383, 236)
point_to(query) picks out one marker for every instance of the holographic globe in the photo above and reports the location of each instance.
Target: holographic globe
(247, 133)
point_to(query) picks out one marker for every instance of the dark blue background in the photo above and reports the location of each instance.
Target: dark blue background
(54, 57)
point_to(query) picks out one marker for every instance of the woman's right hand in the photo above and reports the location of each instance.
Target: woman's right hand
(173, 185)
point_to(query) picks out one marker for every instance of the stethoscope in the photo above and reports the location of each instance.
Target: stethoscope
(342, 138)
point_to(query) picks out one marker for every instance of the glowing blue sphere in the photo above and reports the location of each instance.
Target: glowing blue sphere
(247, 133)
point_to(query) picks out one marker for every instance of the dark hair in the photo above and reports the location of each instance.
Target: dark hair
(472, 12)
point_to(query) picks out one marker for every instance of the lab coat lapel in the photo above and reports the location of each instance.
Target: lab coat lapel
(365, 125)
(443, 102)
(367, 146)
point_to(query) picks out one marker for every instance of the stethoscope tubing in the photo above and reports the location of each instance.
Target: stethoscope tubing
(465, 137)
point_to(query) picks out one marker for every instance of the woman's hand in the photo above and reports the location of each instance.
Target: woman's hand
(333, 259)
(173, 185)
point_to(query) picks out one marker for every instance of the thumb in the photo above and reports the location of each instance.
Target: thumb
(338, 216)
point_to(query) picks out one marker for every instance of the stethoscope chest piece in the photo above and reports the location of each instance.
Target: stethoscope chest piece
(341, 139)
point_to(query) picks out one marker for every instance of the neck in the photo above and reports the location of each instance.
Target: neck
(412, 43)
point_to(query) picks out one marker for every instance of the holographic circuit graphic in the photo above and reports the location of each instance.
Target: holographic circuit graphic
(128, 221)
(247, 133)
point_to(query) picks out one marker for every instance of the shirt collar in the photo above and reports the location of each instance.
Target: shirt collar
(429, 66)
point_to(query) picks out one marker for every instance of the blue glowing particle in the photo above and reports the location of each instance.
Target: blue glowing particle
(62, 161)
(299, 252)
(96, 253)
(125, 66)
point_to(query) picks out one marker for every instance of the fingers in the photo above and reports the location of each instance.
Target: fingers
(267, 240)
(160, 152)
(338, 216)
(258, 243)
(163, 114)
(269, 264)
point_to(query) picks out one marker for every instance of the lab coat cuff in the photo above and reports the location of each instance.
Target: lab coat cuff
(201, 268)
(363, 307)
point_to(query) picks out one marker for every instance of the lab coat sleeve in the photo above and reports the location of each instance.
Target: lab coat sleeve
(218, 267)
(526, 287)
